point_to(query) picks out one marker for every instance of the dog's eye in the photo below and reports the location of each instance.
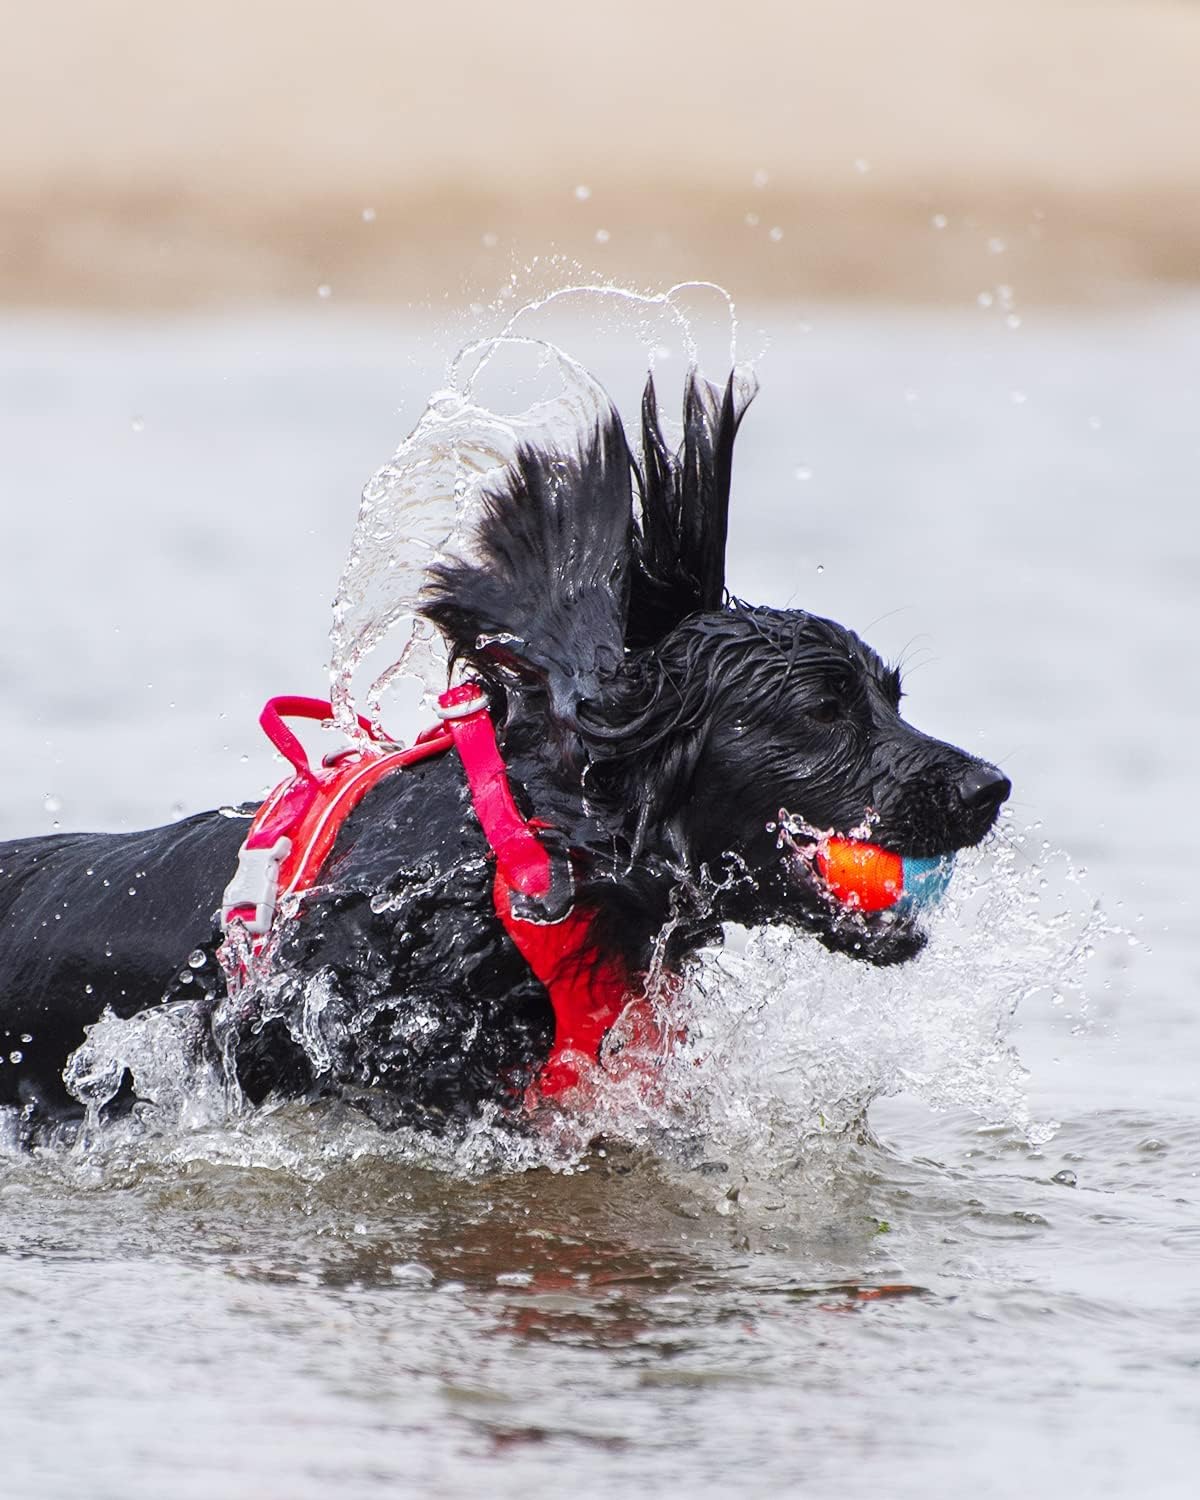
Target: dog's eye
(826, 711)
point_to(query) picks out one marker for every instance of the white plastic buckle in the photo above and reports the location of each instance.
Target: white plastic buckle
(255, 883)
(462, 710)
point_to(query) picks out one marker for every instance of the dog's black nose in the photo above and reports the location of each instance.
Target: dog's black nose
(984, 785)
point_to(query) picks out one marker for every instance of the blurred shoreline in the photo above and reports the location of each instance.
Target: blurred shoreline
(147, 250)
(198, 156)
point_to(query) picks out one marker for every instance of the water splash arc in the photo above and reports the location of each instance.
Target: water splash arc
(419, 507)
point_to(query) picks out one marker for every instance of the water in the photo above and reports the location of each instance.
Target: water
(992, 1289)
(422, 505)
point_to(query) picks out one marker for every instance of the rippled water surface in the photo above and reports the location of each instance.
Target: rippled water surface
(989, 1286)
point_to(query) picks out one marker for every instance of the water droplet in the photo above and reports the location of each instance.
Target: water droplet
(324, 291)
(26, 1037)
(137, 424)
(1013, 321)
(996, 246)
(985, 299)
(87, 989)
(133, 890)
(753, 220)
(1065, 1178)
(368, 216)
(412, 1273)
(803, 473)
(16, 1057)
(583, 192)
(776, 233)
(820, 567)
(602, 236)
(52, 804)
(939, 221)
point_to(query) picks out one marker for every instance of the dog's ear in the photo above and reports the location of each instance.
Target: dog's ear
(546, 593)
(679, 541)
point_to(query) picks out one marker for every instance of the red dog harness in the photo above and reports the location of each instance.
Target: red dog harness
(295, 829)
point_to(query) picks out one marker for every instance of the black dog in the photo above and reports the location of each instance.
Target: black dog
(654, 725)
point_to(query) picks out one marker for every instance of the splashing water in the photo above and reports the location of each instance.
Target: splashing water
(420, 507)
(780, 1049)
(786, 1045)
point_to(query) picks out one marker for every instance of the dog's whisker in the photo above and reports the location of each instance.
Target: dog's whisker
(887, 615)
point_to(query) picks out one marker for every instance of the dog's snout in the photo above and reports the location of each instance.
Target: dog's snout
(984, 786)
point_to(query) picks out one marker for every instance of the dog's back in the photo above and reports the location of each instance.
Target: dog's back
(96, 920)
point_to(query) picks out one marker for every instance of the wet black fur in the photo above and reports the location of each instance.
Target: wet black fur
(656, 724)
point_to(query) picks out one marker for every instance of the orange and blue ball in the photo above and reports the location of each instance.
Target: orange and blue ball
(869, 878)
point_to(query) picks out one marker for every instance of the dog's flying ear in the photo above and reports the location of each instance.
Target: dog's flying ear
(547, 592)
(679, 544)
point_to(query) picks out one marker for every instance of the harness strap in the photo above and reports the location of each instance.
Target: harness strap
(534, 899)
(540, 881)
(294, 831)
(587, 990)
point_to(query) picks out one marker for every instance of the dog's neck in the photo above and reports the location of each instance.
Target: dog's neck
(636, 874)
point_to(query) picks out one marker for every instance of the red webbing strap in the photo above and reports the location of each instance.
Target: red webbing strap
(293, 707)
(304, 814)
(340, 793)
(520, 854)
(587, 990)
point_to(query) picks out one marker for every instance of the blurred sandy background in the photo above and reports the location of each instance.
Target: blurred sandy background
(183, 154)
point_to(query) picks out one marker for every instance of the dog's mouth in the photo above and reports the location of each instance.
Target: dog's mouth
(868, 899)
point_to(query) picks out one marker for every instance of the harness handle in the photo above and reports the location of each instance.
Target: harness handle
(286, 742)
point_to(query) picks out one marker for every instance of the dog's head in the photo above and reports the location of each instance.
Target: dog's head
(667, 726)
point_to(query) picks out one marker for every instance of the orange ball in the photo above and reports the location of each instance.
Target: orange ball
(861, 875)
